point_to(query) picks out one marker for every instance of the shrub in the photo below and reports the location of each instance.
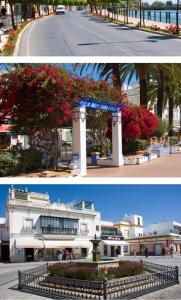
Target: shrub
(131, 146)
(16, 161)
(70, 270)
(172, 29)
(161, 129)
(155, 27)
(173, 140)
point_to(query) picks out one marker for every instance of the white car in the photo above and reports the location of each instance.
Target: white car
(60, 10)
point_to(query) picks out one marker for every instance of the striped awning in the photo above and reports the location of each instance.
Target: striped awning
(114, 242)
(66, 244)
(29, 243)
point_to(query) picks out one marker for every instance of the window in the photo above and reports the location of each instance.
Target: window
(83, 227)
(28, 223)
(138, 221)
(125, 248)
(97, 227)
(56, 225)
(109, 231)
(105, 250)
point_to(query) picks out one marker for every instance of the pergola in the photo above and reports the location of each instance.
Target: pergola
(79, 160)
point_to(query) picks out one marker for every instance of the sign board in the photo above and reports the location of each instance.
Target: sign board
(96, 104)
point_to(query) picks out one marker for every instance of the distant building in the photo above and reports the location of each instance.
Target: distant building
(113, 243)
(130, 226)
(158, 238)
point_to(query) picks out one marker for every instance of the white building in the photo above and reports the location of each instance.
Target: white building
(38, 229)
(130, 226)
(113, 243)
(163, 228)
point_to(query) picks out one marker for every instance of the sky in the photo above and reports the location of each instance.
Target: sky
(154, 202)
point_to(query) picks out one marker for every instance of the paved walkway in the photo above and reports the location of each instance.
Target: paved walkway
(173, 292)
(135, 21)
(167, 166)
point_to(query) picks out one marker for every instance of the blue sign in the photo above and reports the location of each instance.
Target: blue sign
(97, 104)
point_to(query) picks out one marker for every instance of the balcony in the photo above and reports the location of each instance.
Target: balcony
(28, 230)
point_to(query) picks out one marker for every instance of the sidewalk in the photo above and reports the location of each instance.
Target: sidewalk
(135, 21)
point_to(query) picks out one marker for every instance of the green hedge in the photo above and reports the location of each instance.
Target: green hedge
(134, 145)
(18, 161)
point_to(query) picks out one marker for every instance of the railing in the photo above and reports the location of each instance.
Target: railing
(158, 276)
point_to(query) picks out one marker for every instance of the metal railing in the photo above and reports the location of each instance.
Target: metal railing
(157, 277)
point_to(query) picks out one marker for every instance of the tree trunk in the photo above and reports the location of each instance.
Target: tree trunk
(180, 121)
(12, 15)
(127, 12)
(140, 14)
(143, 92)
(160, 93)
(170, 113)
(116, 76)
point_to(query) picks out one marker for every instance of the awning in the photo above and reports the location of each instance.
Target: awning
(29, 243)
(114, 243)
(5, 128)
(66, 244)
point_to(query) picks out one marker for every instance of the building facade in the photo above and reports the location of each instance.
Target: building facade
(113, 243)
(130, 226)
(39, 229)
(158, 238)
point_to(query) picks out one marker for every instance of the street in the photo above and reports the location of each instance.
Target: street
(9, 279)
(80, 34)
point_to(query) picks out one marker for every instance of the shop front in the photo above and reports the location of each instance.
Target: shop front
(50, 250)
(114, 248)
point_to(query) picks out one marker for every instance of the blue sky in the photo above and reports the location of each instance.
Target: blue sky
(154, 202)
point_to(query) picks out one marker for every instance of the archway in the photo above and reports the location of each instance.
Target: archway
(79, 158)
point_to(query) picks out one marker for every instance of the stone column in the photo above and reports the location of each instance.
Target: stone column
(79, 138)
(117, 155)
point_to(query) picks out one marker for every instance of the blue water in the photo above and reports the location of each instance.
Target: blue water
(165, 16)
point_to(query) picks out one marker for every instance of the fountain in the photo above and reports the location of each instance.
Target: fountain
(97, 262)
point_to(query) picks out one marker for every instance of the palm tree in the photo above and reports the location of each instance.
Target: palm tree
(109, 71)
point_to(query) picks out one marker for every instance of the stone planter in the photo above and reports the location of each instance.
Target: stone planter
(142, 160)
(130, 161)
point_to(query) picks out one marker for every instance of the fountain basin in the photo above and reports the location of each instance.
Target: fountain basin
(103, 263)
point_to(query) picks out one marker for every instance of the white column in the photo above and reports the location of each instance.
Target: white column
(79, 138)
(117, 155)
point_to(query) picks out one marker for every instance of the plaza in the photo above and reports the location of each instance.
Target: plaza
(9, 280)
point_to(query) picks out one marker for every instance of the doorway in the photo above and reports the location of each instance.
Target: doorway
(112, 251)
(29, 254)
(5, 253)
(84, 252)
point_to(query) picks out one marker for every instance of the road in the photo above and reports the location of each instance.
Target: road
(9, 281)
(80, 34)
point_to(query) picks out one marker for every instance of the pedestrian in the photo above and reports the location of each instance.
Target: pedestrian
(171, 251)
(60, 256)
(163, 251)
(3, 11)
(146, 252)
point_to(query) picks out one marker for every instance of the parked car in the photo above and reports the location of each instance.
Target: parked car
(60, 10)
(80, 8)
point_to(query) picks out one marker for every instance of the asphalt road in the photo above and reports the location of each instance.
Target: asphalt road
(80, 34)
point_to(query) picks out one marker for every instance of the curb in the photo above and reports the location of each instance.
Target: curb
(16, 49)
(142, 29)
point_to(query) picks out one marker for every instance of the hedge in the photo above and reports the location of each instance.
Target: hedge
(13, 162)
